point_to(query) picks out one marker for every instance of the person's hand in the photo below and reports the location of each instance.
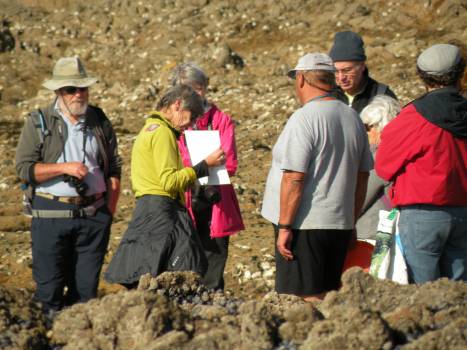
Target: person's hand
(284, 243)
(215, 158)
(76, 169)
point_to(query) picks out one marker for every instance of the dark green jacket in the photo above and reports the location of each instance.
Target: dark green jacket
(31, 150)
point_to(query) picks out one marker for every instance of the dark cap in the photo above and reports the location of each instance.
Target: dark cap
(348, 46)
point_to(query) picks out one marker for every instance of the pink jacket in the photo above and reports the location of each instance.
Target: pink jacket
(226, 217)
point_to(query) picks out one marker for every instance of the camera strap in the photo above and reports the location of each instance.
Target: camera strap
(209, 125)
(211, 112)
(84, 130)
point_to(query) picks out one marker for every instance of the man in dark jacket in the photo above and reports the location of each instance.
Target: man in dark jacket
(423, 151)
(67, 154)
(356, 87)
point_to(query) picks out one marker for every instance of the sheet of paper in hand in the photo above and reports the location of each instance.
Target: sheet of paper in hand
(200, 144)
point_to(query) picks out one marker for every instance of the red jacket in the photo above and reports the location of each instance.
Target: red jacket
(426, 163)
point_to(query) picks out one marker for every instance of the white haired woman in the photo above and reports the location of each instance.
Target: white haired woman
(215, 210)
(160, 236)
(376, 115)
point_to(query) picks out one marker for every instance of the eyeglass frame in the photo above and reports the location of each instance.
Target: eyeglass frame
(348, 71)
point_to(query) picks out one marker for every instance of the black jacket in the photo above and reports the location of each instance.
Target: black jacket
(369, 91)
(446, 108)
(160, 237)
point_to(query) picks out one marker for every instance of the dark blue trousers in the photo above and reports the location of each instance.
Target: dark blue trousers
(67, 254)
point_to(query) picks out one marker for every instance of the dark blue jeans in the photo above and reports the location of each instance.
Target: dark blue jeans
(434, 239)
(67, 253)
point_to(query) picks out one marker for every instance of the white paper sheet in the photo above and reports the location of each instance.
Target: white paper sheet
(200, 144)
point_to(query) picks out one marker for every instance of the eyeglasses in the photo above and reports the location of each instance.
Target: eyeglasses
(347, 71)
(71, 90)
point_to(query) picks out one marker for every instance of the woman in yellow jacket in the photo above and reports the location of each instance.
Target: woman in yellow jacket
(160, 236)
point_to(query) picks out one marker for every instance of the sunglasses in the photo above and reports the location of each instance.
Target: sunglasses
(71, 90)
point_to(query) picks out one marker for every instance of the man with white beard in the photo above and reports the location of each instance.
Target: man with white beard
(68, 162)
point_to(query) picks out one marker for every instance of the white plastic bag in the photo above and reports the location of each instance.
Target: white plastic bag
(388, 260)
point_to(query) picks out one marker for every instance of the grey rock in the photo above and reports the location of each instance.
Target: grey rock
(22, 324)
(7, 40)
(226, 57)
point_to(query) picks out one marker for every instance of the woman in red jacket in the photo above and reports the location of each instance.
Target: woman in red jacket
(423, 151)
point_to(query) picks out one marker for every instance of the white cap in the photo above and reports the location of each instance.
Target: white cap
(313, 61)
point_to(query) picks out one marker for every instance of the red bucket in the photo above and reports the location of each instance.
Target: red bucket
(360, 256)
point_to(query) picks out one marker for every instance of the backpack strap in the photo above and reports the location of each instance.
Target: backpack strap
(382, 88)
(40, 124)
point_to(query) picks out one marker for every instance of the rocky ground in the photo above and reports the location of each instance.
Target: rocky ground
(246, 47)
(174, 311)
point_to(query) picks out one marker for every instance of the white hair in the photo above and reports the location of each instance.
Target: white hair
(190, 74)
(380, 111)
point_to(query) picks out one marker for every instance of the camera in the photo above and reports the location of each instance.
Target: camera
(203, 197)
(212, 194)
(80, 186)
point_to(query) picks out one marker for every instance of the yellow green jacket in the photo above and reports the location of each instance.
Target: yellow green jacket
(156, 163)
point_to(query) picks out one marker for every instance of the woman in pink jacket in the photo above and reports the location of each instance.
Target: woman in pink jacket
(214, 209)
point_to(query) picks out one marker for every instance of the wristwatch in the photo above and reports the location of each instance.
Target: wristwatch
(282, 226)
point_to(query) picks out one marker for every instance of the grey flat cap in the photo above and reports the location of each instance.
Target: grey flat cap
(313, 61)
(439, 59)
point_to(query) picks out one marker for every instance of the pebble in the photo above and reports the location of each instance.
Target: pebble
(243, 247)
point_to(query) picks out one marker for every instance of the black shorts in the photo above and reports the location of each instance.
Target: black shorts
(318, 260)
